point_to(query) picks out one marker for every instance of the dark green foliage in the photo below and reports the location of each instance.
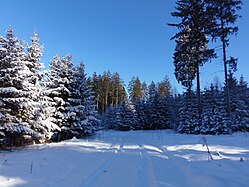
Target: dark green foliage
(191, 42)
(188, 114)
(154, 112)
(80, 112)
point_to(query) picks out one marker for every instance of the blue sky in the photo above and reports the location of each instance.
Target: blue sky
(130, 37)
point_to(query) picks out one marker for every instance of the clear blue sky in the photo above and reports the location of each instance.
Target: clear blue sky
(130, 37)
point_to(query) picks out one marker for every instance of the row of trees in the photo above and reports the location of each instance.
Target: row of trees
(35, 106)
(109, 90)
(180, 111)
(148, 107)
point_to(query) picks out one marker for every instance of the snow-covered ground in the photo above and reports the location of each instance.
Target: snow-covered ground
(127, 159)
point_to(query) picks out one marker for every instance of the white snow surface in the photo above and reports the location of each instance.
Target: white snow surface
(130, 159)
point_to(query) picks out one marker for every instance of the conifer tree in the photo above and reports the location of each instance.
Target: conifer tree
(152, 90)
(33, 57)
(109, 90)
(15, 93)
(135, 89)
(118, 90)
(60, 74)
(191, 50)
(164, 87)
(145, 92)
(223, 15)
(80, 105)
(188, 114)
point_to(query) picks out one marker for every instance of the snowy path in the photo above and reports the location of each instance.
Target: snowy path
(130, 159)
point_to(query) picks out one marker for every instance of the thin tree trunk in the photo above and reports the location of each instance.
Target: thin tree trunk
(106, 100)
(97, 103)
(199, 97)
(117, 96)
(227, 91)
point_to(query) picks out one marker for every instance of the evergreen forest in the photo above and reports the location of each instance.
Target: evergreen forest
(43, 104)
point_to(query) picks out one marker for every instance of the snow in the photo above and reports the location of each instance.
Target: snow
(133, 158)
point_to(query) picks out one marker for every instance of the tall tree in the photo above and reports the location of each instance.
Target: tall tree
(135, 89)
(117, 89)
(191, 50)
(109, 90)
(152, 90)
(145, 91)
(80, 105)
(188, 113)
(164, 87)
(224, 16)
(16, 105)
(60, 74)
(38, 118)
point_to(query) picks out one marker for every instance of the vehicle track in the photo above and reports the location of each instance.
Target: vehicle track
(91, 180)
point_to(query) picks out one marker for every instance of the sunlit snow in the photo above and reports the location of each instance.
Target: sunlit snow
(134, 159)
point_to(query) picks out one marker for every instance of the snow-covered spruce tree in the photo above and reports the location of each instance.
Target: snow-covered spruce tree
(16, 92)
(188, 113)
(238, 103)
(80, 106)
(38, 120)
(214, 119)
(159, 114)
(191, 50)
(126, 117)
(58, 89)
(108, 118)
(223, 15)
(243, 108)
(145, 92)
(142, 110)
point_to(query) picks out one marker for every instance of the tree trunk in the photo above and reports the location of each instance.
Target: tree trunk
(199, 97)
(227, 91)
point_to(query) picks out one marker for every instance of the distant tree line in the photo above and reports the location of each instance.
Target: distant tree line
(160, 108)
(109, 90)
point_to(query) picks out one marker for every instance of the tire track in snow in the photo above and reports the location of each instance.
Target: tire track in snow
(146, 176)
(93, 178)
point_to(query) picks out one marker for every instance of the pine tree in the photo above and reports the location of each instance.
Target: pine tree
(135, 89)
(152, 90)
(94, 81)
(33, 57)
(223, 15)
(60, 74)
(214, 112)
(238, 103)
(191, 50)
(142, 111)
(164, 87)
(108, 119)
(124, 117)
(15, 93)
(145, 92)
(118, 91)
(109, 90)
(80, 105)
(188, 114)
